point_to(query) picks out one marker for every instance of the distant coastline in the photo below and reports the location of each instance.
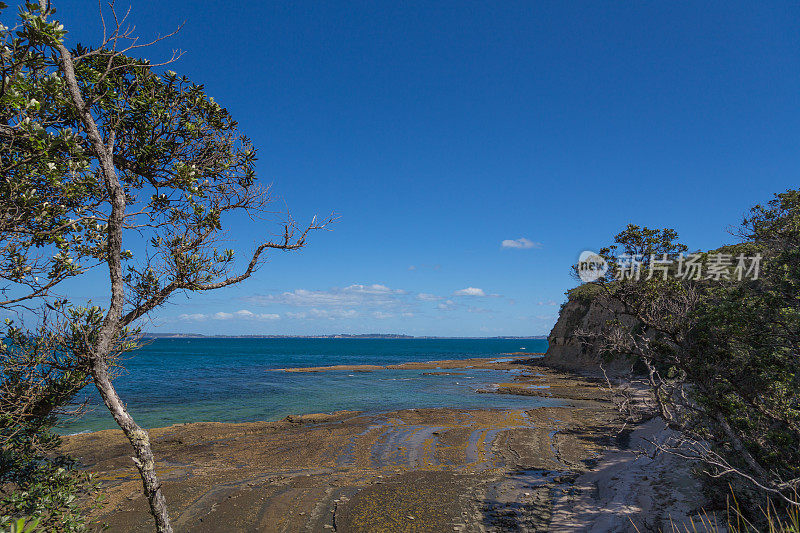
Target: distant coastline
(153, 335)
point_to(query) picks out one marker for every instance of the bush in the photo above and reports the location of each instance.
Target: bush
(40, 375)
(723, 355)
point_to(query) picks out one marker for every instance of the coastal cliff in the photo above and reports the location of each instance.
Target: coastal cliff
(572, 343)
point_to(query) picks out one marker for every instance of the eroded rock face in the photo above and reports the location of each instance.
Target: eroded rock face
(570, 348)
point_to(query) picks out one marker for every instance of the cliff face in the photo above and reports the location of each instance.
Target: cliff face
(584, 312)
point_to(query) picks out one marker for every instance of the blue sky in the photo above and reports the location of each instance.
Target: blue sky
(438, 130)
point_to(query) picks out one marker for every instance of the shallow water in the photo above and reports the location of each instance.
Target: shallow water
(171, 381)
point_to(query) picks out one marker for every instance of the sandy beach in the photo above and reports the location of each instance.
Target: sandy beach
(409, 470)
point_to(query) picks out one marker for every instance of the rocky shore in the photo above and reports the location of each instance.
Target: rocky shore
(411, 470)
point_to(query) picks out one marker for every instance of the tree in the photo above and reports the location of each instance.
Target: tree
(39, 378)
(98, 149)
(722, 353)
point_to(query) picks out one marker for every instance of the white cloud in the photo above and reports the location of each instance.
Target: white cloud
(247, 314)
(243, 314)
(357, 295)
(469, 291)
(330, 314)
(447, 305)
(521, 243)
(425, 297)
(306, 298)
(380, 315)
(375, 288)
(194, 316)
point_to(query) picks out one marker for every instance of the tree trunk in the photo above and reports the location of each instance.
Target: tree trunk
(111, 326)
(140, 441)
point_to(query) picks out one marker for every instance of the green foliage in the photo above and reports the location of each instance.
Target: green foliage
(40, 375)
(21, 525)
(585, 293)
(47, 182)
(749, 335)
(54, 495)
(644, 242)
(177, 153)
(96, 145)
(724, 354)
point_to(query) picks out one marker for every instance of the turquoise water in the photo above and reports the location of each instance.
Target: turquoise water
(171, 381)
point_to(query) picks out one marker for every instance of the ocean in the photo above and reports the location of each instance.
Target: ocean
(177, 380)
